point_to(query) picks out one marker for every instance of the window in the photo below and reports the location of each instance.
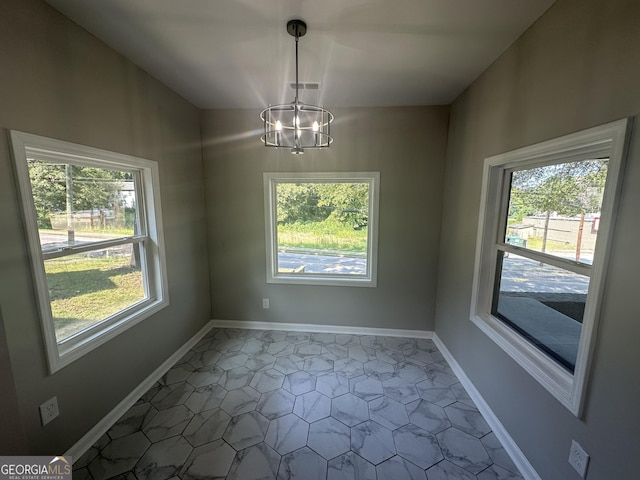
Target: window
(322, 228)
(94, 230)
(546, 220)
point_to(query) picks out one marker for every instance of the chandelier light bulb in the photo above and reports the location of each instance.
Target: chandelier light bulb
(315, 126)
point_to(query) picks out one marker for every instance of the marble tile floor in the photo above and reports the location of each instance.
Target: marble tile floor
(256, 404)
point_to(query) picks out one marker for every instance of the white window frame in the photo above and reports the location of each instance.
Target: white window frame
(150, 239)
(271, 180)
(607, 140)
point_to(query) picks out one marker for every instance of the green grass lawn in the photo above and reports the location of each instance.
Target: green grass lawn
(327, 235)
(85, 290)
(536, 244)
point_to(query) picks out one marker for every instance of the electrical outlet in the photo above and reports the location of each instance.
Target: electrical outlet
(49, 410)
(578, 458)
(265, 303)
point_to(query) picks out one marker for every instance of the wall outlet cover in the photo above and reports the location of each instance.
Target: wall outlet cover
(49, 410)
(578, 459)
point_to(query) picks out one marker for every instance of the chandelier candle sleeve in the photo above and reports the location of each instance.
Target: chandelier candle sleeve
(296, 125)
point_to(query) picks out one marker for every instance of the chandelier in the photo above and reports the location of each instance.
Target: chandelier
(296, 125)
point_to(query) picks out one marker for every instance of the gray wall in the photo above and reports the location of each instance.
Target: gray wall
(12, 440)
(407, 147)
(577, 67)
(59, 81)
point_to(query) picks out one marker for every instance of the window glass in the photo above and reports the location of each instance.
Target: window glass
(322, 228)
(77, 206)
(551, 210)
(86, 288)
(555, 209)
(94, 231)
(542, 302)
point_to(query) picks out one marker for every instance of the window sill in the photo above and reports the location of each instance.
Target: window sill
(554, 378)
(320, 280)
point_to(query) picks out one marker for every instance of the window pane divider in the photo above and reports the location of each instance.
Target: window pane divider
(559, 262)
(87, 247)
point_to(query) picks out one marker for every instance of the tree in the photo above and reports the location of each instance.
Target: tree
(298, 202)
(48, 187)
(348, 203)
(569, 189)
(92, 188)
(518, 205)
(590, 189)
(95, 189)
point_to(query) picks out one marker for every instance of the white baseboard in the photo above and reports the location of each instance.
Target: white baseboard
(92, 436)
(306, 327)
(510, 446)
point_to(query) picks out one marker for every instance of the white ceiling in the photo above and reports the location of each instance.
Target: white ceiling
(237, 53)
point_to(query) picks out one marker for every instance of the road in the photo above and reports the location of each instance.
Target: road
(51, 239)
(524, 275)
(323, 263)
(518, 275)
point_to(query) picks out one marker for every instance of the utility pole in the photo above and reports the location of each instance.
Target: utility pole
(69, 179)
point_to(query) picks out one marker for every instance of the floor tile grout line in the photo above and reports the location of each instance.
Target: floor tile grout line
(513, 451)
(97, 431)
(256, 370)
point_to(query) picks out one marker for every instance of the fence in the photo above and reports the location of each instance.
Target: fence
(563, 230)
(87, 219)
